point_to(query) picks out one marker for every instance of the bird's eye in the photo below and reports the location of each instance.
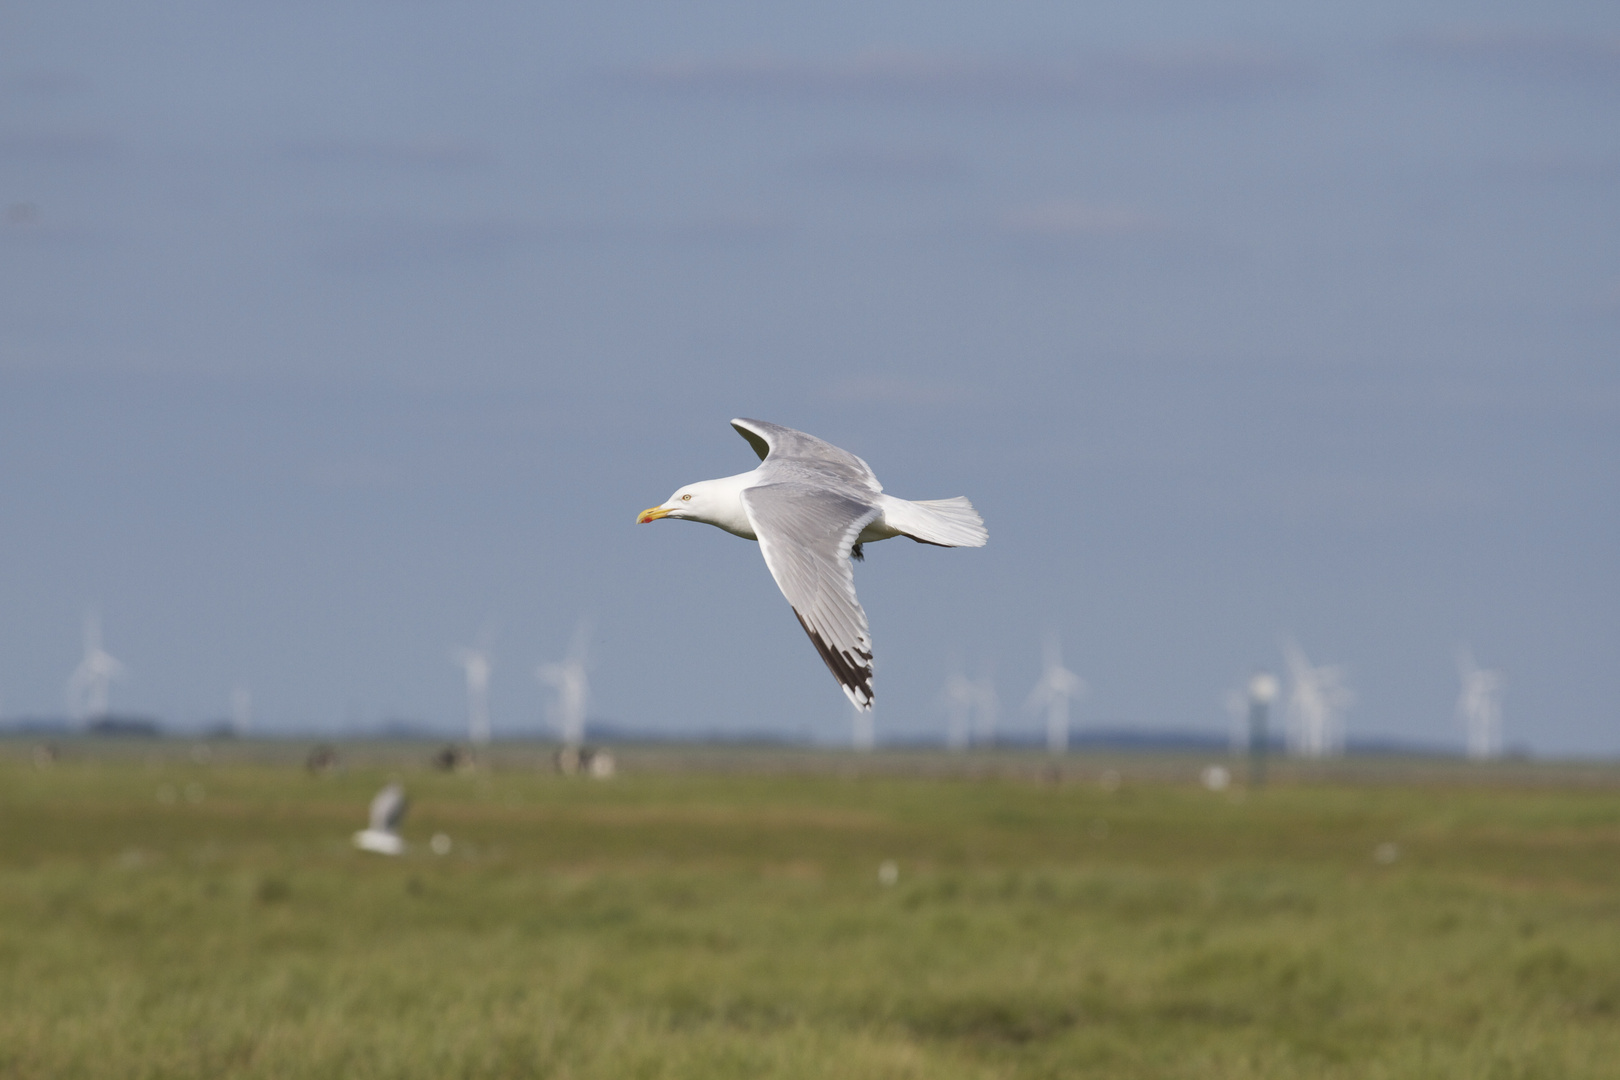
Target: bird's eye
(686, 498)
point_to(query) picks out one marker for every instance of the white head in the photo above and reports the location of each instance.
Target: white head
(713, 502)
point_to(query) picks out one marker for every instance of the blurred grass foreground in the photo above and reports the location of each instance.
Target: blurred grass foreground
(794, 914)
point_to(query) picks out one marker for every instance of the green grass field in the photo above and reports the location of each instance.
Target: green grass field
(161, 917)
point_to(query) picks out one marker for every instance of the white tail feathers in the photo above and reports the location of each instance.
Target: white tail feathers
(946, 522)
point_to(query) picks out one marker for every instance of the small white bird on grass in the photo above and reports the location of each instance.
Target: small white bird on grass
(387, 811)
(811, 506)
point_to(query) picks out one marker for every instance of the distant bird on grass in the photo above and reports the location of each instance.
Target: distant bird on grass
(387, 811)
(811, 506)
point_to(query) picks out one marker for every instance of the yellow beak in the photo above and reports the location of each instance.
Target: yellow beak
(652, 514)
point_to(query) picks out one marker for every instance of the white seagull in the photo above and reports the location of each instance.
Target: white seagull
(387, 811)
(811, 506)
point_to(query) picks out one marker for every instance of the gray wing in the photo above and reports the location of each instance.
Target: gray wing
(805, 533)
(793, 455)
(388, 808)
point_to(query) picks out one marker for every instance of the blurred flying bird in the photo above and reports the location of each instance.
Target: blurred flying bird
(812, 506)
(387, 811)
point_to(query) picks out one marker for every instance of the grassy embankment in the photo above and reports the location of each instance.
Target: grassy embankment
(164, 918)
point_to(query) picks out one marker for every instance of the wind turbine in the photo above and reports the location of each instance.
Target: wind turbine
(87, 687)
(1053, 692)
(1317, 700)
(1479, 706)
(573, 688)
(476, 664)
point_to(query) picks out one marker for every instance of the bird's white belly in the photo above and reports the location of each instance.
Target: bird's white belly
(877, 529)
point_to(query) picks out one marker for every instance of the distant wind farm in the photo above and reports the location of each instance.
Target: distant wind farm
(1316, 701)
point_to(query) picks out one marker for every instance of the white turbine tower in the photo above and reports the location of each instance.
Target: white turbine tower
(1317, 700)
(573, 688)
(1479, 706)
(1053, 692)
(87, 687)
(475, 662)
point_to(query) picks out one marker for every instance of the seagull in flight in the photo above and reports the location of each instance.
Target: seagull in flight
(387, 812)
(811, 506)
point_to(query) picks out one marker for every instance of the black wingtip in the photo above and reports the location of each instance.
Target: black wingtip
(855, 676)
(761, 447)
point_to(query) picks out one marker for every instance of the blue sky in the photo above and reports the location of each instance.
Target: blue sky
(331, 335)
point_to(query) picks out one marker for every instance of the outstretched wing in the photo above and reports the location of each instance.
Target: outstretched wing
(805, 533)
(793, 455)
(388, 808)
(758, 433)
